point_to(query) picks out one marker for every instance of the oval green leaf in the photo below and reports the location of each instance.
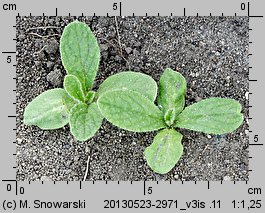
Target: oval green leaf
(134, 81)
(73, 87)
(165, 151)
(49, 110)
(172, 90)
(90, 96)
(212, 116)
(85, 121)
(131, 111)
(80, 53)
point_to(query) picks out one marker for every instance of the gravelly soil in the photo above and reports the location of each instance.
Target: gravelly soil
(212, 53)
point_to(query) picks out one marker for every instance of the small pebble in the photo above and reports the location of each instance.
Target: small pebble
(118, 58)
(19, 141)
(128, 50)
(103, 47)
(49, 65)
(52, 46)
(76, 158)
(247, 95)
(136, 52)
(227, 178)
(21, 37)
(198, 98)
(55, 78)
(45, 178)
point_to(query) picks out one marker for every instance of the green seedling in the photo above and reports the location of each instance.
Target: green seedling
(126, 100)
(136, 111)
(76, 102)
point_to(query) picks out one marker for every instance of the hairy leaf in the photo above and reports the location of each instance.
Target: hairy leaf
(80, 53)
(172, 89)
(49, 110)
(90, 96)
(134, 81)
(170, 116)
(165, 151)
(213, 116)
(74, 88)
(131, 111)
(85, 121)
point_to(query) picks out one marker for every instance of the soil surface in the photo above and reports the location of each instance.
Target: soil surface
(211, 52)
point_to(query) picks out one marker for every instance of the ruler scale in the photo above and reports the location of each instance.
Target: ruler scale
(143, 196)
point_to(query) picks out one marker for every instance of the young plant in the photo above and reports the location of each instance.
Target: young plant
(126, 100)
(76, 102)
(136, 111)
